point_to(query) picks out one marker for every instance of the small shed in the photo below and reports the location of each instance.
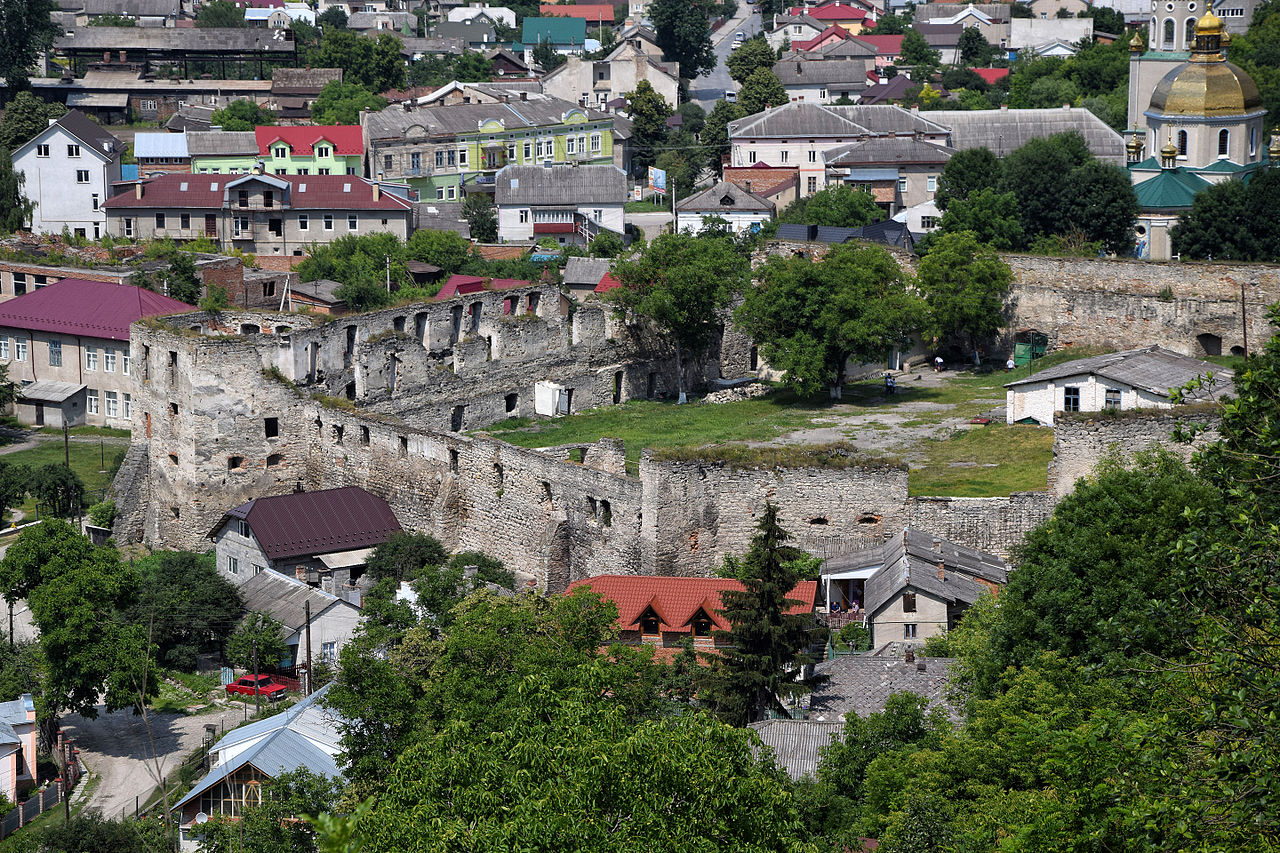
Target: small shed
(50, 403)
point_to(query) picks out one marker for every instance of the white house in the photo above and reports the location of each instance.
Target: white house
(497, 14)
(597, 83)
(1119, 381)
(69, 168)
(568, 203)
(17, 746)
(333, 620)
(742, 210)
(920, 218)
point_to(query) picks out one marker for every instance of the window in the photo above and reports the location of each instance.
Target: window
(90, 358)
(303, 222)
(328, 222)
(596, 143)
(439, 159)
(322, 171)
(97, 201)
(1224, 142)
(782, 156)
(524, 215)
(127, 410)
(271, 427)
(813, 156)
(242, 527)
(92, 399)
(822, 94)
(73, 150)
(451, 193)
(19, 349)
(928, 222)
(128, 227)
(240, 225)
(649, 623)
(931, 184)
(108, 361)
(242, 198)
(701, 625)
(329, 652)
(113, 404)
(4, 347)
(528, 151)
(42, 150)
(304, 171)
(812, 184)
(1253, 141)
(281, 152)
(751, 156)
(909, 632)
(159, 221)
(233, 565)
(149, 106)
(353, 221)
(1182, 143)
(597, 214)
(125, 362)
(1112, 400)
(415, 161)
(439, 193)
(55, 353)
(268, 198)
(82, 176)
(462, 157)
(324, 151)
(571, 145)
(1070, 399)
(184, 221)
(908, 602)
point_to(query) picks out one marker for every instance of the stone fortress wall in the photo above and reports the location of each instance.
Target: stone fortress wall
(242, 404)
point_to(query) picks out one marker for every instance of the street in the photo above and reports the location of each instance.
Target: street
(710, 88)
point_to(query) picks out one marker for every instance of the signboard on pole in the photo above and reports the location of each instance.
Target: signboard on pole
(657, 180)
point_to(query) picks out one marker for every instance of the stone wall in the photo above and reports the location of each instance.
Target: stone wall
(1080, 442)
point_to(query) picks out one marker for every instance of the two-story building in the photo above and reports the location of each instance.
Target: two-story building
(279, 150)
(161, 152)
(571, 204)
(441, 150)
(222, 152)
(68, 171)
(597, 83)
(17, 746)
(267, 215)
(67, 345)
(564, 35)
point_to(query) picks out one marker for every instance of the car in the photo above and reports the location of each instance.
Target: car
(739, 36)
(257, 685)
(731, 97)
(735, 45)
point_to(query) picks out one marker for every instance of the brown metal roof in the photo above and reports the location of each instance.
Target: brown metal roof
(308, 523)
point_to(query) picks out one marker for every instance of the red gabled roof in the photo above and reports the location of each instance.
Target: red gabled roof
(308, 523)
(307, 192)
(94, 309)
(833, 31)
(885, 45)
(345, 138)
(991, 75)
(607, 283)
(586, 11)
(830, 12)
(676, 600)
(458, 285)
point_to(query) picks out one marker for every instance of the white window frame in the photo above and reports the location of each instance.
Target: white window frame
(233, 565)
(108, 360)
(126, 361)
(931, 184)
(55, 353)
(328, 222)
(91, 402)
(73, 150)
(90, 359)
(42, 150)
(113, 404)
(4, 347)
(303, 222)
(353, 222)
(126, 406)
(82, 176)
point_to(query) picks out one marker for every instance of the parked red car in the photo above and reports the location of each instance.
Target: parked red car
(266, 687)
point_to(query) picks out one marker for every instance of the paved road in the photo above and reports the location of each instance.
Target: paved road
(652, 224)
(711, 88)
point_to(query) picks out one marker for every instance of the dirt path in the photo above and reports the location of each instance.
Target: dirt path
(118, 748)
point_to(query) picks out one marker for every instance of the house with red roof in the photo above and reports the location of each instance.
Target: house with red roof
(268, 215)
(663, 611)
(334, 149)
(593, 13)
(852, 18)
(67, 345)
(991, 75)
(888, 48)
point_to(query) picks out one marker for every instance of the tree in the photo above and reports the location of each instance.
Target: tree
(363, 263)
(220, 14)
(682, 33)
(811, 319)
(112, 20)
(29, 30)
(967, 171)
(990, 216)
(14, 479)
(472, 67)
(649, 113)
(335, 17)
(964, 284)
(839, 206)
(444, 249)
(24, 117)
(341, 103)
(760, 91)
(257, 633)
(375, 64)
(187, 606)
(692, 116)
(1106, 20)
(766, 644)
(715, 133)
(683, 162)
(58, 489)
(547, 58)
(242, 115)
(387, 64)
(681, 284)
(891, 25)
(974, 48)
(181, 279)
(404, 555)
(481, 217)
(606, 245)
(751, 55)
(440, 587)
(275, 824)
(1226, 221)
(915, 52)
(15, 208)
(1103, 206)
(89, 832)
(955, 79)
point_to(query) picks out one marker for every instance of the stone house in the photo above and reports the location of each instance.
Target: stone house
(69, 169)
(1118, 381)
(742, 210)
(319, 538)
(267, 215)
(17, 746)
(665, 611)
(67, 344)
(570, 204)
(597, 83)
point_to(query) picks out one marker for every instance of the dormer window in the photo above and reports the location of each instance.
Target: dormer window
(323, 151)
(281, 152)
(726, 201)
(701, 624)
(649, 623)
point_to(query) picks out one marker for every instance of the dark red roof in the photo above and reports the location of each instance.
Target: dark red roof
(991, 75)
(830, 12)
(308, 523)
(345, 138)
(94, 309)
(607, 283)
(458, 285)
(206, 192)
(677, 600)
(885, 45)
(586, 11)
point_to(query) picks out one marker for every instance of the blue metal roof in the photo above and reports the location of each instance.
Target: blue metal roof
(160, 145)
(872, 175)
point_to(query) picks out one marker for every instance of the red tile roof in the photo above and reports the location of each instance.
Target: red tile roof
(991, 75)
(677, 600)
(830, 12)
(94, 309)
(307, 523)
(345, 138)
(586, 11)
(607, 283)
(307, 192)
(886, 45)
(833, 31)
(458, 285)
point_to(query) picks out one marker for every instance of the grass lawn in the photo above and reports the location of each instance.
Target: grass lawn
(1018, 458)
(106, 432)
(86, 460)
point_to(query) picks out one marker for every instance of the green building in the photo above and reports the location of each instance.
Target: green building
(312, 150)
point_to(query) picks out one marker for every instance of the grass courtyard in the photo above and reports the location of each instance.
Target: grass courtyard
(87, 461)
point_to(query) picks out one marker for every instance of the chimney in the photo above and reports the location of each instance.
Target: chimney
(297, 490)
(920, 667)
(377, 190)
(937, 545)
(748, 185)
(137, 190)
(942, 571)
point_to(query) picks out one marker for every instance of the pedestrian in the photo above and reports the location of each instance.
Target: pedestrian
(889, 384)
(937, 364)
(1008, 365)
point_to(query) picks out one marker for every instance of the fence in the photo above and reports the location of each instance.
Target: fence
(39, 803)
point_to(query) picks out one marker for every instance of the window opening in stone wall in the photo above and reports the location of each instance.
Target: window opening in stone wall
(652, 389)
(234, 463)
(177, 513)
(1210, 344)
(593, 507)
(488, 347)
(146, 418)
(755, 359)
(350, 346)
(617, 387)
(173, 365)
(498, 476)
(455, 332)
(398, 324)
(364, 436)
(275, 460)
(393, 373)
(818, 520)
(868, 518)
(319, 427)
(1070, 399)
(455, 419)
(420, 328)
(249, 329)
(173, 409)
(173, 458)
(146, 363)
(271, 427)
(512, 401)
(533, 303)
(606, 513)
(338, 431)
(908, 602)
(313, 361)
(404, 446)
(453, 460)
(546, 492)
(350, 391)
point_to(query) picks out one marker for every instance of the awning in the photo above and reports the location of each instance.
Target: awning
(49, 391)
(345, 559)
(852, 574)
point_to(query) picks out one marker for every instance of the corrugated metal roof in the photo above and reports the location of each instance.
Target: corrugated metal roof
(49, 391)
(306, 523)
(714, 198)
(1004, 130)
(567, 185)
(160, 145)
(227, 142)
(888, 149)
(94, 309)
(284, 598)
(796, 745)
(1151, 369)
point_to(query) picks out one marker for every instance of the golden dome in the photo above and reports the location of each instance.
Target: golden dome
(1210, 89)
(1134, 146)
(1169, 151)
(1273, 152)
(1135, 43)
(1209, 25)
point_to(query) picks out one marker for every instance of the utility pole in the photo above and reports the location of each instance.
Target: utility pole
(66, 441)
(1244, 321)
(306, 609)
(388, 273)
(257, 689)
(10, 626)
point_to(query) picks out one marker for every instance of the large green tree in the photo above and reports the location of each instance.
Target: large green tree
(1231, 221)
(275, 824)
(974, 48)
(682, 284)
(968, 171)
(750, 56)
(341, 103)
(991, 216)
(683, 35)
(258, 639)
(649, 113)
(964, 284)
(242, 115)
(186, 604)
(220, 14)
(715, 133)
(811, 319)
(444, 249)
(360, 262)
(482, 217)
(29, 30)
(15, 207)
(25, 116)
(915, 52)
(838, 206)
(761, 90)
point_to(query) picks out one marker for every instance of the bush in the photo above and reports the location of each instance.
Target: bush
(102, 514)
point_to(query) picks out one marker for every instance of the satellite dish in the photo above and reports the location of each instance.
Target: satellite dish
(201, 817)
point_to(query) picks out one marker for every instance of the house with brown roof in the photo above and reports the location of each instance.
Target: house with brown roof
(740, 209)
(318, 538)
(68, 169)
(67, 344)
(665, 611)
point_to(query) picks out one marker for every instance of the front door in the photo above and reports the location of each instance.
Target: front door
(39, 414)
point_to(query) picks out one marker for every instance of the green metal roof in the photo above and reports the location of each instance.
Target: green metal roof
(1169, 190)
(554, 31)
(1167, 54)
(1149, 163)
(1222, 166)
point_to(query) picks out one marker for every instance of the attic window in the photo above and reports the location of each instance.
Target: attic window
(213, 186)
(908, 602)
(302, 188)
(649, 623)
(346, 188)
(182, 187)
(701, 624)
(726, 201)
